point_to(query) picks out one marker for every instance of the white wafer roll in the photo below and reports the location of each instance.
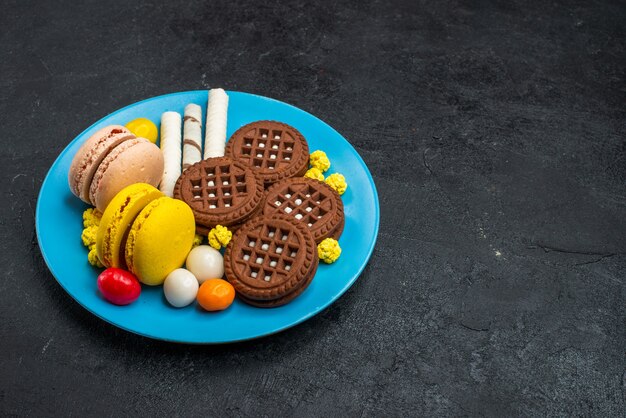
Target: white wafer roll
(192, 135)
(172, 151)
(216, 114)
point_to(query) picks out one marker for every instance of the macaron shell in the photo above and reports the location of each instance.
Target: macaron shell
(117, 220)
(90, 154)
(159, 240)
(134, 161)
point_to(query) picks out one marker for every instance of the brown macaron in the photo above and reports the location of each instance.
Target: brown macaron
(134, 161)
(90, 155)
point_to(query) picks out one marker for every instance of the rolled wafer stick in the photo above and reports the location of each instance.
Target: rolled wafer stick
(171, 148)
(217, 112)
(192, 135)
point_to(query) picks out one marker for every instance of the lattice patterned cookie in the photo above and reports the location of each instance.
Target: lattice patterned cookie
(270, 261)
(310, 202)
(219, 191)
(273, 150)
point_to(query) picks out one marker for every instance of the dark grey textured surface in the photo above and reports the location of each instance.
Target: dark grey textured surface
(495, 133)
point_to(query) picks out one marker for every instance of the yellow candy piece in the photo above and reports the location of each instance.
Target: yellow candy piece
(219, 237)
(329, 250)
(144, 128)
(338, 182)
(319, 160)
(91, 217)
(89, 236)
(314, 173)
(93, 259)
(197, 240)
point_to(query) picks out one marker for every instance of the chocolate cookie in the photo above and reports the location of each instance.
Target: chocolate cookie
(270, 261)
(220, 191)
(280, 301)
(273, 150)
(309, 202)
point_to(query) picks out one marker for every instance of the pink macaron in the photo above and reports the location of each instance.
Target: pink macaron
(111, 159)
(134, 161)
(90, 155)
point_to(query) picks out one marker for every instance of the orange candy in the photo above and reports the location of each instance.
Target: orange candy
(216, 295)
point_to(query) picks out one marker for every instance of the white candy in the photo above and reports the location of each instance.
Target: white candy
(265, 247)
(259, 260)
(205, 263)
(298, 201)
(274, 146)
(276, 137)
(288, 209)
(298, 216)
(261, 145)
(180, 288)
(272, 263)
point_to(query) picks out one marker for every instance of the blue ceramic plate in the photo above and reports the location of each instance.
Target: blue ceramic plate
(59, 227)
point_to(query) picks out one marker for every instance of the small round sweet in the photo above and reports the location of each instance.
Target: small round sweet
(180, 288)
(205, 263)
(143, 128)
(89, 235)
(91, 217)
(219, 237)
(328, 250)
(315, 174)
(319, 160)
(216, 295)
(197, 240)
(119, 286)
(338, 182)
(92, 258)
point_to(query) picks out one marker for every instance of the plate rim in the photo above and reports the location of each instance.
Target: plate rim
(292, 324)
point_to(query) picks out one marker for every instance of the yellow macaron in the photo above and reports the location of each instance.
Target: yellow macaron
(117, 220)
(160, 239)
